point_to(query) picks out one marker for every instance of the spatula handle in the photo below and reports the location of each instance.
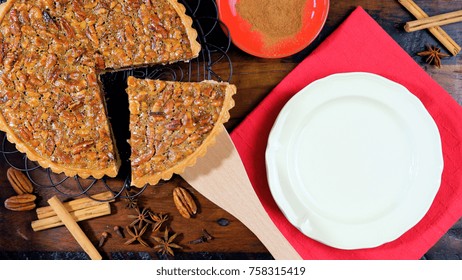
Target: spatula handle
(258, 221)
(221, 177)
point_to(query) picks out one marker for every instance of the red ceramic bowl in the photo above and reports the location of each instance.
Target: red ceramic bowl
(251, 41)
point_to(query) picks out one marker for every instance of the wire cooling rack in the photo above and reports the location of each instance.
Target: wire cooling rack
(215, 41)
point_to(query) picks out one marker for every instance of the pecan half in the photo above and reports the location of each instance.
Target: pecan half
(21, 202)
(19, 181)
(184, 202)
(67, 28)
(82, 146)
(173, 125)
(92, 35)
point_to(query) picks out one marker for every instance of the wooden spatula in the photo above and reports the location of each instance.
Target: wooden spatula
(220, 176)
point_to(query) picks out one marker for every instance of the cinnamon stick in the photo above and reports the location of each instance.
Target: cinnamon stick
(101, 209)
(436, 31)
(74, 228)
(432, 21)
(77, 204)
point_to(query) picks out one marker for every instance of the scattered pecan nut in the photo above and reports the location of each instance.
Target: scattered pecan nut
(21, 202)
(184, 202)
(19, 181)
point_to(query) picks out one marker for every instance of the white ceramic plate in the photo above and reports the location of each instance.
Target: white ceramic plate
(354, 160)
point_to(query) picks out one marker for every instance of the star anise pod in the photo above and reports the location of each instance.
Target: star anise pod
(141, 217)
(132, 201)
(159, 219)
(433, 55)
(137, 235)
(166, 244)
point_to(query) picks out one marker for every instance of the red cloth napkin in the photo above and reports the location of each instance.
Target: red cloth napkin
(360, 44)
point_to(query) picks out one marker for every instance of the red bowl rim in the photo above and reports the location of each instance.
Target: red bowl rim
(282, 54)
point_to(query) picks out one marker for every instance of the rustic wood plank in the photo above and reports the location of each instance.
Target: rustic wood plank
(234, 237)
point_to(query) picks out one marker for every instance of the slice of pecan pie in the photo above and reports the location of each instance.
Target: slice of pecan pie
(51, 54)
(172, 124)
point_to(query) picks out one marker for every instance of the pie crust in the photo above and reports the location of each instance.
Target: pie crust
(172, 124)
(51, 54)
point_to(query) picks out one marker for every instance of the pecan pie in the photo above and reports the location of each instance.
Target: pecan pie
(172, 124)
(51, 54)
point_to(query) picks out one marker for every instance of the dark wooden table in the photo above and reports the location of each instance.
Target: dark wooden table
(254, 78)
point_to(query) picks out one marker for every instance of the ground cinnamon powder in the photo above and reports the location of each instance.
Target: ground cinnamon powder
(275, 19)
